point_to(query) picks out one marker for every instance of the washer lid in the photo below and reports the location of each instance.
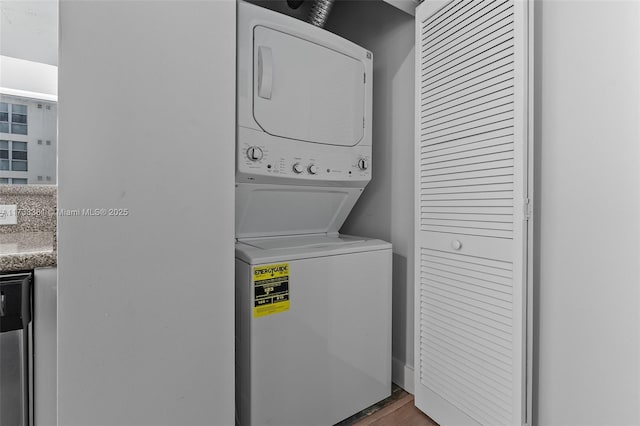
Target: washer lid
(306, 91)
(267, 250)
(264, 210)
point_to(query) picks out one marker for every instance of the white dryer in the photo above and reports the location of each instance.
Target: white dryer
(304, 125)
(313, 308)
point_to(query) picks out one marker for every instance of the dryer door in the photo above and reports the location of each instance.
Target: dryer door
(306, 91)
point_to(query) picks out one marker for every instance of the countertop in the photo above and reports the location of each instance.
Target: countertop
(28, 189)
(21, 251)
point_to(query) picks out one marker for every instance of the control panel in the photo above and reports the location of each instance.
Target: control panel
(273, 159)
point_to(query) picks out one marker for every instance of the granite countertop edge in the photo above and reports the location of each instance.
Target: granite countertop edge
(28, 189)
(27, 261)
(27, 250)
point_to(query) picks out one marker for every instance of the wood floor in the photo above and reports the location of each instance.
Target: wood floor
(401, 412)
(397, 410)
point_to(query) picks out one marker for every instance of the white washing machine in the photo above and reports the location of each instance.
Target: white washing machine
(313, 307)
(313, 319)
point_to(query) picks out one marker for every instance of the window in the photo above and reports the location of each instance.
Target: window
(19, 119)
(19, 156)
(28, 140)
(13, 118)
(4, 117)
(14, 158)
(15, 181)
(4, 155)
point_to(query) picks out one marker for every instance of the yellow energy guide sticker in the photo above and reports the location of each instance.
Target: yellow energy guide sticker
(271, 289)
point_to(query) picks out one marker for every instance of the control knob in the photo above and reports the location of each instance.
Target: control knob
(297, 168)
(313, 169)
(254, 153)
(363, 164)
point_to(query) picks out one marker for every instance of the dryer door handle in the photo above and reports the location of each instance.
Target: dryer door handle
(265, 72)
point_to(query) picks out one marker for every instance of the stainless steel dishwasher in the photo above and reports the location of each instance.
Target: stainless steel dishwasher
(15, 349)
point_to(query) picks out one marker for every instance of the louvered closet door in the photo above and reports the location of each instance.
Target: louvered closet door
(470, 200)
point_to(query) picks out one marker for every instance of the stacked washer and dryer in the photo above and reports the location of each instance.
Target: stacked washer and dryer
(313, 307)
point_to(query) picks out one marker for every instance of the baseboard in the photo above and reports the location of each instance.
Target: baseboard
(402, 375)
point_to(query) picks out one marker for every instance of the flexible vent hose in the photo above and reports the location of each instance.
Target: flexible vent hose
(320, 12)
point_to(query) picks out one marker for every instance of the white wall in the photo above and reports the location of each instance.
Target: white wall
(588, 213)
(146, 122)
(385, 209)
(29, 30)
